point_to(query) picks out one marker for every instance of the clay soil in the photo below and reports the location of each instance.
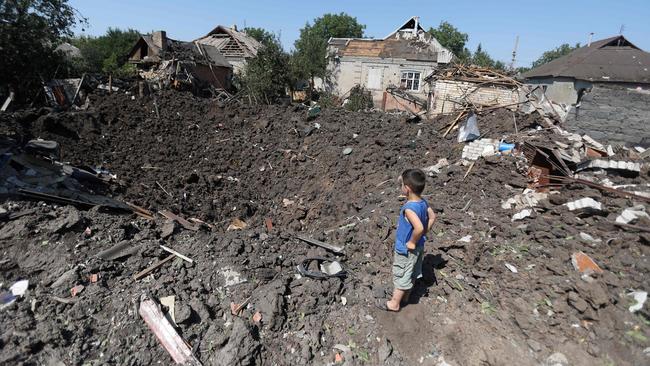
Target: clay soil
(256, 164)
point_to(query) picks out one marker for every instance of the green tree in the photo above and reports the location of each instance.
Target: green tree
(482, 58)
(29, 31)
(558, 52)
(266, 76)
(452, 39)
(107, 53)
(309, 60)
(261, 35)
(338, 26)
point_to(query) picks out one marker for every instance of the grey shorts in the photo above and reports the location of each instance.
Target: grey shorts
(407, 268)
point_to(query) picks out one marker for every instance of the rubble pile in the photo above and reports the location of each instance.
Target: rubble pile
(263, 235)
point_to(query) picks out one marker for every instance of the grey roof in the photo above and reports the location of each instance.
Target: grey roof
(613, 59)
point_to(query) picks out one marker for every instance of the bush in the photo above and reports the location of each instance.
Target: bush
(359, 99)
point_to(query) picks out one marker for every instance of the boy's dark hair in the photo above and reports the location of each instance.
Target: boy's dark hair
(414, 179)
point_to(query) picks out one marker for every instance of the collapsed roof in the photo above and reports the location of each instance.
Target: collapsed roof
(613, 59)
(231, 42)
(187, 51)
(409, 41)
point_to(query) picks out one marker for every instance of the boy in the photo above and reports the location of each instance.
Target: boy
(409, 238)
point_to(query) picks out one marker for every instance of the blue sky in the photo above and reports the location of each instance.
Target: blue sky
(541, 25)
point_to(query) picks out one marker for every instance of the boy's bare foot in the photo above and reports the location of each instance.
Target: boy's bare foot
(392, 306)
(386, 307)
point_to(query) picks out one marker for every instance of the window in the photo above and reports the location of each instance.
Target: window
(410, 80)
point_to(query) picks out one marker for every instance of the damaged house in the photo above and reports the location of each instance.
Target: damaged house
(237, 47)
(605, 85)
(180, 63)
(392, 68)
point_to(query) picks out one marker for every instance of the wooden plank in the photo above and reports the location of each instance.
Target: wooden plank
(153, 267)
(166, 334)
(179, 255)
(333, 248)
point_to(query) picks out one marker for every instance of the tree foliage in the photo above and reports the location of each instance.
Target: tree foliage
(452, 39)
(338, 26)
(261, 35)
(29, 31)
(266, 76)
(309, 60)
(107, 53)
(557, 52)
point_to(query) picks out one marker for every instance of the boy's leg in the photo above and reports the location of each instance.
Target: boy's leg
(402, 272)
(417, 273)
(394, 303)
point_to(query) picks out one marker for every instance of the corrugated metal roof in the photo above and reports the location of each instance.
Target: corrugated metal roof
(613, 59)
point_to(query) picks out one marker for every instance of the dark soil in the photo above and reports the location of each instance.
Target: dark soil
(257, 163)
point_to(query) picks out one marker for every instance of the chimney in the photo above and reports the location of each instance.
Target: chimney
(159, 39)
(234, 27)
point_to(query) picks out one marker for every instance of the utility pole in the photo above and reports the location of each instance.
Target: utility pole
(514, 53)
(620, 31)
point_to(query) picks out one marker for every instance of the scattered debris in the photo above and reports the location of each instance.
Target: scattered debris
(480, 148)
(584, 264)
(512, 268)
(237, 224)
(347, 151)
(435, 169)
(587, 203)
(328, 268)
(232, 277)
(330, 247)
(153, 267)
(632, 167)
(177, 348)
(76, 290)
(521, 215)
(184, 223)
(468, 131)
(257, 317)
(632, 214)
(169, 302)
(640, 298)
(179, 255)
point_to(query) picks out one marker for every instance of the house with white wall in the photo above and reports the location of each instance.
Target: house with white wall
(392, 68)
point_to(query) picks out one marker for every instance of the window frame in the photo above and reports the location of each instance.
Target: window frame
(412, 79)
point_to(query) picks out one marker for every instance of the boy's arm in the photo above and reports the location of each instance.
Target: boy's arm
(418, 229)
(432, 219)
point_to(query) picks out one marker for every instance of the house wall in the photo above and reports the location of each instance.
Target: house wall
(238, 64)
(446, 92)
(351, 71)
(223, 75)
(561, 90)
(614, 114)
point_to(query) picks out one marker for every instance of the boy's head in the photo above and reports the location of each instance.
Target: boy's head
(413, 181)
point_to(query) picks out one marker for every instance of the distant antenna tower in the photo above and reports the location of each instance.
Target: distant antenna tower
(620, 31)
(514, 54)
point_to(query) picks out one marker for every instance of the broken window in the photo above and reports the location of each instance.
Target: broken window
(410, 80)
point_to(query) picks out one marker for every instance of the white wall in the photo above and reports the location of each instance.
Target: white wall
(447, 92)
(351, 71)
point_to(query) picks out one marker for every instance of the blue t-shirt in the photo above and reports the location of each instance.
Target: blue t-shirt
(405, 229)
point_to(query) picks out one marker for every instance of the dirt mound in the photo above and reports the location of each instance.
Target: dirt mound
(332, 178)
